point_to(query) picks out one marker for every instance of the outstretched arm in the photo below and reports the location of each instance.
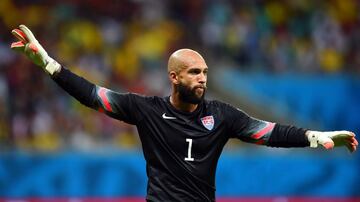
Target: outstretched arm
(118, 105)
(287, 136)
(270, 134)
(78, 87)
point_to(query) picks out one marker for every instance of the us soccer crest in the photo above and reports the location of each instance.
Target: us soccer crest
(208, 122)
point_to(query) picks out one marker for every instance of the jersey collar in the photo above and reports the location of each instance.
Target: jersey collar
(198, 108)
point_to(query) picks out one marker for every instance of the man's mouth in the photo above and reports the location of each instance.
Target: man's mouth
(200, 87)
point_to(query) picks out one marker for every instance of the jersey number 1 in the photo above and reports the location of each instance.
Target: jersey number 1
(189, 158)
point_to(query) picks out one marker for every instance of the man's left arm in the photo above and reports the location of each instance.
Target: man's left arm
(291, 136)
(261, 132)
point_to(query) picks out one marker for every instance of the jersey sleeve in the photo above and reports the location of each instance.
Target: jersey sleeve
(256, 131)
(122, 106)
(247, 128)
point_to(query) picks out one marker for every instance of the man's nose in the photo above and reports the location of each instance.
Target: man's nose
(202, 78)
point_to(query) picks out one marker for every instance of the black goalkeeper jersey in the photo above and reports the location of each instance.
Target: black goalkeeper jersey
(181, 149)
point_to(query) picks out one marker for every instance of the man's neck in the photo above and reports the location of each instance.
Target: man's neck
(182, 106)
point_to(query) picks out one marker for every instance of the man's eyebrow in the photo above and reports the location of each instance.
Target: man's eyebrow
(198, 68)
(194, 68)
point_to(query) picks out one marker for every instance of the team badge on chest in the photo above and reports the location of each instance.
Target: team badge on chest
(208, 122)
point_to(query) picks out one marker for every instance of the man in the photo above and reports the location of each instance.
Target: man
(182, 135)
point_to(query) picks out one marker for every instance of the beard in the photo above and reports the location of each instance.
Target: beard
(188, 94)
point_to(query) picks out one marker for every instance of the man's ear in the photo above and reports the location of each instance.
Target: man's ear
(174, 78)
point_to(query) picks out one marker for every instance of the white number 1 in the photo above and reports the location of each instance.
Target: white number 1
(189, 158)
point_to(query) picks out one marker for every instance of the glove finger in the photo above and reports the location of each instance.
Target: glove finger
(354, 144)
(30, 36)
(354, 147)
(18, 46)
(351, 144)
(31, 48)
(351, 147)
(354, 141)
(341, 134)
(327, 143)
(19, 35)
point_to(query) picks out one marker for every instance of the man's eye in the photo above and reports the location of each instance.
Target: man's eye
(194, 72)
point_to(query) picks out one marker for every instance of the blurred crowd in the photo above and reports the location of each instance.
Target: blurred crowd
(124, 46)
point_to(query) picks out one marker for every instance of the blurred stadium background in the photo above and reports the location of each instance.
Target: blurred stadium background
(294, 62)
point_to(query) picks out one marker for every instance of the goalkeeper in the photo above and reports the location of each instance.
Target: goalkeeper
(183, 134)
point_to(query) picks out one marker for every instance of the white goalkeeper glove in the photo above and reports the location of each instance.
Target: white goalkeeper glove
(29, 46)
(332, 139)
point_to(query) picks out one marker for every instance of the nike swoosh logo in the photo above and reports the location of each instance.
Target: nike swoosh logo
(167, 117)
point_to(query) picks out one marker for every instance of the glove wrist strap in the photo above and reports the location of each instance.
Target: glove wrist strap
(313, 138)
(52, 66)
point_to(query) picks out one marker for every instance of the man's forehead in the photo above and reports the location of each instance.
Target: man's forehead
(190, 59)
(184, 59)
(196, 66)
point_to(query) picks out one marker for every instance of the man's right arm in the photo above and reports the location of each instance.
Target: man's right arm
(121, 106)
(117, 105)
(76, 86)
